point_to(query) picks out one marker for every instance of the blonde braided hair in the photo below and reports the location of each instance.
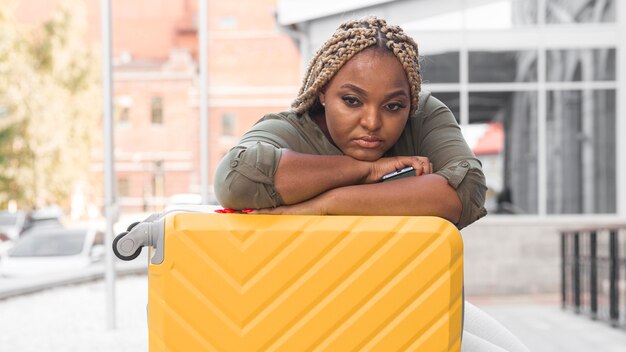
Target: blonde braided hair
(349, 39)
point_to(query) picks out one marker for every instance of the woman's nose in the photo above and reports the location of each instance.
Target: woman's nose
(371, 120)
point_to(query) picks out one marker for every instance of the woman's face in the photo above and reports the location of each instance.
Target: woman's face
(367, 104)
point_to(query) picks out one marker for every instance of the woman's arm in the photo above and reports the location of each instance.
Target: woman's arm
(282, 161)
(300, 177)
(262, 175)
(420, 195)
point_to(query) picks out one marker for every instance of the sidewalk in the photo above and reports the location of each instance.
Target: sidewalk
(72, 318)
(543, 326)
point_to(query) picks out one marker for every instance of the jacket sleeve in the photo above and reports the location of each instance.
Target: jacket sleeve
(443, 142)
(245, 176)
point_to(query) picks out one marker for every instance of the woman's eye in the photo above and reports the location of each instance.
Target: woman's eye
(395, 106)
(352, 101)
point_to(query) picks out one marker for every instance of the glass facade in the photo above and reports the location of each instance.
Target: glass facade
(577, 11)
(581, 151)
(440, 67)
(481, 14)
(537, 103)
(502, 66)
(577, 65)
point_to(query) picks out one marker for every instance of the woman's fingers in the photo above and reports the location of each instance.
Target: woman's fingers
(385, 166)
(422, 165)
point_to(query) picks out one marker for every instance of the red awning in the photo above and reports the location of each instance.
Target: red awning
(492, 141)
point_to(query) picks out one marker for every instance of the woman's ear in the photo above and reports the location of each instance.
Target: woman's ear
(321, 96)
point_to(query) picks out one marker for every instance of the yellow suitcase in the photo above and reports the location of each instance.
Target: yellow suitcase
(242, 282)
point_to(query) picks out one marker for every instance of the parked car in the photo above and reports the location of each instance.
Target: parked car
(15, 224)
(52, 250)
(41, 224)
(12, 224)
(43, 218)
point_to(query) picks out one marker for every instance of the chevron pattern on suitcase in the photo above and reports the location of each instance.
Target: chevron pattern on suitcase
(306, 283)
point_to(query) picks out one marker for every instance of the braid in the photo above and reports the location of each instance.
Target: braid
(349, 39)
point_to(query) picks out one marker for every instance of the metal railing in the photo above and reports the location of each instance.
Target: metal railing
(593, 273)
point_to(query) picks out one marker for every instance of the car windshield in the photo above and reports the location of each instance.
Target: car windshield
(7, 219)
(49, 245)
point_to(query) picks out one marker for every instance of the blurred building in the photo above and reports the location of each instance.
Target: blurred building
(539, 88)
(253, 69)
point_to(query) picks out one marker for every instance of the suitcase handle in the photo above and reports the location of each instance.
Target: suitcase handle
(147, 233)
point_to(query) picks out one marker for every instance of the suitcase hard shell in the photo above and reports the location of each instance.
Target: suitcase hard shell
(306, 283)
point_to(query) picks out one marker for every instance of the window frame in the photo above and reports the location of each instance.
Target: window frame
(540, 37)
(156, 110)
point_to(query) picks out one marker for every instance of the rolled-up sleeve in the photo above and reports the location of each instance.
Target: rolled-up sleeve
(443, 142)
(245, 176)
(467, 178)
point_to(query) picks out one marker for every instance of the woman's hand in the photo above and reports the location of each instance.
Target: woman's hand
(383, 166)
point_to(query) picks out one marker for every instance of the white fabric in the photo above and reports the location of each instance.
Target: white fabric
(482, 333)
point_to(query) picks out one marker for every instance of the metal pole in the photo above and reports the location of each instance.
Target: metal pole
(204, 96)
(613, 278)
(620, 122)
(576, 272)
(593, 280)
(564, 261)
(107, 123)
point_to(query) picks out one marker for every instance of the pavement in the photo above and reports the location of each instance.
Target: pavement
(73, 318)
(540, 323)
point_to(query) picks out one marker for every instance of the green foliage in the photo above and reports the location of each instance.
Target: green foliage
(49, 96)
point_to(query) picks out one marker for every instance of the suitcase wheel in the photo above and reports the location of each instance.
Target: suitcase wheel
(120, 255)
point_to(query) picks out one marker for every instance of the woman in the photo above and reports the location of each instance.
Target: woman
(359, 115)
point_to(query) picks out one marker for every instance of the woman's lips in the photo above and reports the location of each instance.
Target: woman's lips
(368, 142)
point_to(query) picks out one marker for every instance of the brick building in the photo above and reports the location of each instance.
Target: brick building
(253, 69)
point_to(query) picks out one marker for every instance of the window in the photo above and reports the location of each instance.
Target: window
(440, 67)
(500, 14)
(502, 66)
(592, 11)
(581, 151)
(538, 106)
(578, 65)
(157, 110)
(124, 115)
(123, 187)
(504, 128)
(229, 125)
(122, 109)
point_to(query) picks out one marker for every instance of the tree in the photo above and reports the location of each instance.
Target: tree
(49, 95)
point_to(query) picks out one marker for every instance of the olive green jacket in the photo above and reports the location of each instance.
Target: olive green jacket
(245, 176)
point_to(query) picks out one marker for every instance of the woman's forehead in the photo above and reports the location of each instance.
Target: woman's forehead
(374, 68)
